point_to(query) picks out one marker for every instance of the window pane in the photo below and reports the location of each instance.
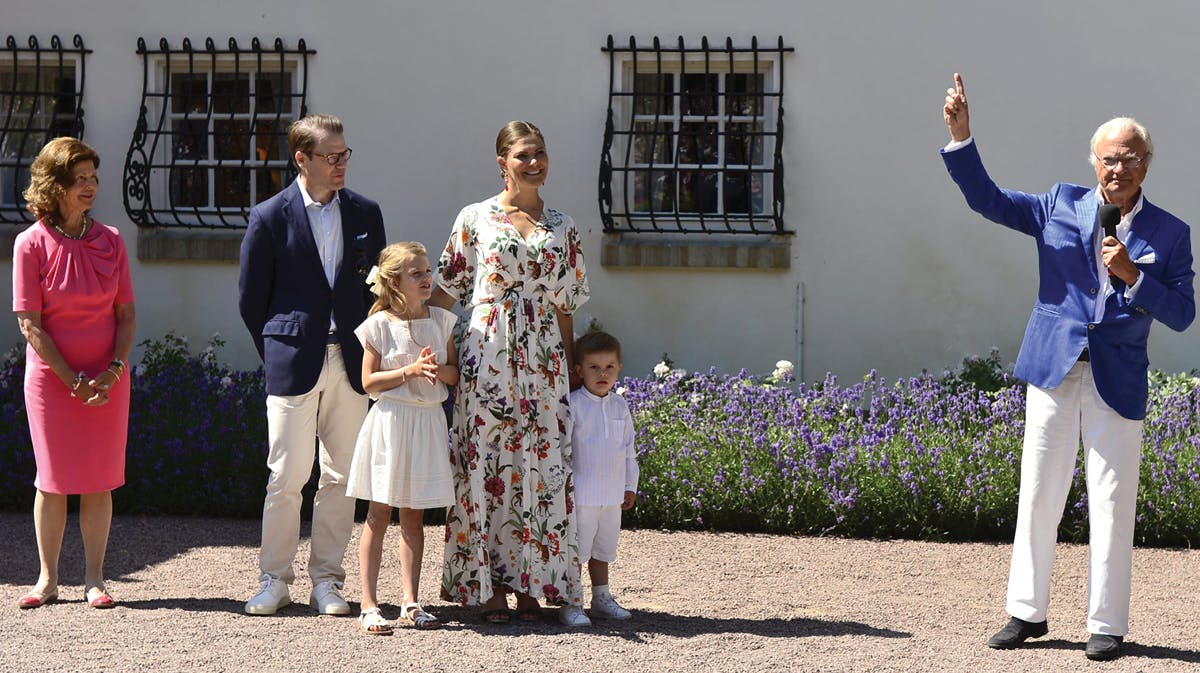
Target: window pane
(231, 92)
(233, 187)
(744, 144)
(231, 138)
(698, 143)
(650, 146)
(273, 93)
(189, 139)
(743, 94)
(743, 192)
(699, 94)
(268, 183)
(697, 191)
(653, 191)
(270, 140)
(189, 93)
(189, 187)
(653, 94)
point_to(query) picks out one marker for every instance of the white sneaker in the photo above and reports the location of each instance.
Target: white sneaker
(327, 599)
(272, 595)
(606, 607)
(573, 615)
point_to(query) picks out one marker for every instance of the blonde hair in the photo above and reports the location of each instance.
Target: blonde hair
(392, 262)
(50, 174)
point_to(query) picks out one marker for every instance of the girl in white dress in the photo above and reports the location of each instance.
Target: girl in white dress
(402, 458)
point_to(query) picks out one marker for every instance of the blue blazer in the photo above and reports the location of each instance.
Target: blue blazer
(284, 298)
(1062, 222)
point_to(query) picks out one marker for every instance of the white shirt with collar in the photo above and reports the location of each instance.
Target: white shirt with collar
(604, 459)
(325, 220)
(1122, 235)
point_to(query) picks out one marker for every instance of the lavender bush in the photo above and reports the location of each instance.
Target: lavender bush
(197, 434)
(923, 457)
(930, 457)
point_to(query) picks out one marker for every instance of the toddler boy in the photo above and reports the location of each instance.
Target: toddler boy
(604, 462)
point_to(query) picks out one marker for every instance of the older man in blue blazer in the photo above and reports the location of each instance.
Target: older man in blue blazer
(301, 293)
(1084, 358)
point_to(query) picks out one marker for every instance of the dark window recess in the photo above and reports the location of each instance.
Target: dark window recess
(211, 136)
(41, 98)
(693, 140)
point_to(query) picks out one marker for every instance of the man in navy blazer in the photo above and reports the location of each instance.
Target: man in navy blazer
(301, 293)
(1084, 358)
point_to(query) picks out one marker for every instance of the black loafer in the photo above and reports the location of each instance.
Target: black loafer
(1016, 632)
(1101, 647)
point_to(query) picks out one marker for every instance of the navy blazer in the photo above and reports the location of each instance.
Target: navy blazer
(1063, 223)
(284, 298)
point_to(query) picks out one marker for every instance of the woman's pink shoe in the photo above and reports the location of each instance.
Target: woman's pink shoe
(99, 598)
(36, 599)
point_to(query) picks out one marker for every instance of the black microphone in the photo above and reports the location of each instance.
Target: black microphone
(1108, 216)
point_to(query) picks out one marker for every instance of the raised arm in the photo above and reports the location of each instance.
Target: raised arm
(955, 112)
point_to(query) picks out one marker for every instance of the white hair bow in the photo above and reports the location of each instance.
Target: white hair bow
(373, 281)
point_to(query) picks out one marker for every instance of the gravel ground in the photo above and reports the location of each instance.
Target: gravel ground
(701, 601)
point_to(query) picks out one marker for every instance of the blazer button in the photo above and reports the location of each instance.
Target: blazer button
(1094, 290)
(1091, 325)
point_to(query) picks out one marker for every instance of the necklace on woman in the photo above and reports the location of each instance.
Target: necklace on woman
(86, 224)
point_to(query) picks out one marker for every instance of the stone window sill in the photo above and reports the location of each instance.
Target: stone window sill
(757, 253)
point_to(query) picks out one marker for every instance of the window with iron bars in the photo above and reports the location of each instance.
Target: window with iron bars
(693, 140)
(211, 137)
(41, 98)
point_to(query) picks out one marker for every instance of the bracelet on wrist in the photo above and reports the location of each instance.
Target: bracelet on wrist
(119, 364)
(79, 379)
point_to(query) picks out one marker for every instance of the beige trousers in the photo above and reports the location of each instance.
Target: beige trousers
(1055, 421)
(321, 423)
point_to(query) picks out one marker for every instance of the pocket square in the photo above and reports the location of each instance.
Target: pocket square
(1148, 258)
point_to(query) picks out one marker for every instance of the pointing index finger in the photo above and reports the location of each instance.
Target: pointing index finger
(958, 85)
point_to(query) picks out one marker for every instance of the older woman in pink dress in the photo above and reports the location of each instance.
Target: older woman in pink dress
(74, 303)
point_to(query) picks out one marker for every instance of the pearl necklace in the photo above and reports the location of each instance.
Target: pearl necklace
(87, 223)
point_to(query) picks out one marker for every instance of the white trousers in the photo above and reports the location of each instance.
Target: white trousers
(1055, 421)
(321, 423)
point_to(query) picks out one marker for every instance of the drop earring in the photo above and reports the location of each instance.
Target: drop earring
(505, 178)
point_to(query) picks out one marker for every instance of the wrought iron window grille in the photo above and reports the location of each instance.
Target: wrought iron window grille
(41, 98)
(211, 134)
(698, 138)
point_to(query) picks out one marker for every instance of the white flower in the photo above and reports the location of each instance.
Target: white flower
(661, 370)
(679, 371)
(1195, 382)
(783, 368)
(621, 391)
(226, 381)
(373, 281)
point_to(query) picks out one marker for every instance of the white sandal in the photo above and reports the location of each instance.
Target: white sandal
(415, 615)
(373, 623)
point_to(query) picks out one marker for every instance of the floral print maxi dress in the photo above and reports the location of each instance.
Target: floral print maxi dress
(512, 522)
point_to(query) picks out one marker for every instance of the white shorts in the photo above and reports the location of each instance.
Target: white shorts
(599, 528)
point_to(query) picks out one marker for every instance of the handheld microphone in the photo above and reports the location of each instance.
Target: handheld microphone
(1108, 216)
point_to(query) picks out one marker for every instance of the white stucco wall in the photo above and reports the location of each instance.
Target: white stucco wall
(897, 273)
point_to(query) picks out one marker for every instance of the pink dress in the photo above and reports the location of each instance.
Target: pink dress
(74, 284)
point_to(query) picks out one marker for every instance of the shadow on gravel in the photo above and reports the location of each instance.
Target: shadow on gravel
(134, 542)
(1132, 649)
(661, 623)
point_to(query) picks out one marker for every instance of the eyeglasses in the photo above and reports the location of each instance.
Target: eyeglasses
(1128, 161)
(85, 180)
(334, 158)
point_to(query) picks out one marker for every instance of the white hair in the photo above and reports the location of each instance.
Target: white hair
(1118, 124)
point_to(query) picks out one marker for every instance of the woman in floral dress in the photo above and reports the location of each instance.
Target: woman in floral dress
(517, 266)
